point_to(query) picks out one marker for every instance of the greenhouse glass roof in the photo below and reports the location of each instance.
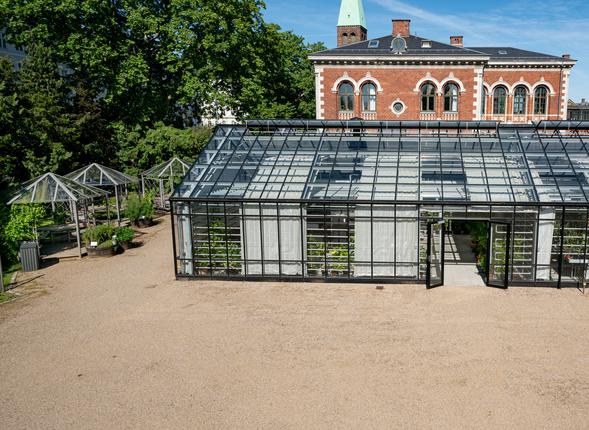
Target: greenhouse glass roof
(398, 162)
(98, 175)
(50, 188)
(169, 169)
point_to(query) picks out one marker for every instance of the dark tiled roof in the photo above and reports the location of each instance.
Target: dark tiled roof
(514, 54)
(413, 48)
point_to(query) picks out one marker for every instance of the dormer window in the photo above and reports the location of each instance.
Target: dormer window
(426, 44)
(398, 45)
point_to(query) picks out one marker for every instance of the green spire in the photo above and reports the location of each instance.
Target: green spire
(351, 12)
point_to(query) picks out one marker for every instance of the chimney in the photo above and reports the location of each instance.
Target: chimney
(401, 27)
(457, 41)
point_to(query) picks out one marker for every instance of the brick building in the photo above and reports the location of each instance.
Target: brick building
(401, 76)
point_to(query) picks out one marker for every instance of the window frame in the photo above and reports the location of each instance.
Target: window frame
(520, 101)
(368, 98)
(350, 97)
(496, 110)
(544, 98)
(451, 100)
(427, 98)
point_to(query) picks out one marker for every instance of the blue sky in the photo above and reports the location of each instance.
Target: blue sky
(547, 26)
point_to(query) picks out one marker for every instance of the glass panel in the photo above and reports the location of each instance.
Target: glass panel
(435, 274)
(498, 254)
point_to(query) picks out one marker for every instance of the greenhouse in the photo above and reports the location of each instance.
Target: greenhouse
(373, 201)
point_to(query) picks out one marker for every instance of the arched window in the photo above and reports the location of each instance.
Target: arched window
(499, 100)
(369, 98)
(428, 97)
(346, 97)
(451, 98)
(519, 100)
(353, 38)
(541, 100)
(484, 103)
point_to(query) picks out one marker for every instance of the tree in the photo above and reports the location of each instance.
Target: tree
(162, 143)
(9, 151)
(46, 131)
(170, 60)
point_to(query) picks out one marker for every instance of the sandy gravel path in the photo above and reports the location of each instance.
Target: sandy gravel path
(118, 344)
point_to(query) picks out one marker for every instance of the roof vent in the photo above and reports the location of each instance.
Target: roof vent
(426, 43)
(373, 44)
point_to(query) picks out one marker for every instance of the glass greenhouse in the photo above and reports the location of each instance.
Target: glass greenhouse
(370, 201)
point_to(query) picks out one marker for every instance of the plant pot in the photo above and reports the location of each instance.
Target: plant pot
(127, 244)
(143, 223)
(100, 252)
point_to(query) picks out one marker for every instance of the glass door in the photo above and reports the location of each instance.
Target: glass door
(434, 271)
(498, 254)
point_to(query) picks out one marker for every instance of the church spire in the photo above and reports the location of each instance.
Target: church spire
(351, 13)
(351, 25)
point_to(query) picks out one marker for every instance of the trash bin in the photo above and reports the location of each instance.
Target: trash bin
(30, 258)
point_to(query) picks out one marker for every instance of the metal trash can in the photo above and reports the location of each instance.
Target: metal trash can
(30, 258)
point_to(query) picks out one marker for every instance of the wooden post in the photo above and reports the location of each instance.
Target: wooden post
(77, 221)
(93, 214)
(162, 193)
(118, 205)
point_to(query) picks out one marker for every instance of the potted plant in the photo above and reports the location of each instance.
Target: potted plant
(140, 211)
(99, 241)
(124, 237)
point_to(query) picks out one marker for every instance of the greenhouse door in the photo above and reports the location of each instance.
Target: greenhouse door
(498, 254)
(434, 270)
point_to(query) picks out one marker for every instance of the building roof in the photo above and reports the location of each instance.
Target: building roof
(351, 13)
(507, 53)
(393, 162)
(381, 47)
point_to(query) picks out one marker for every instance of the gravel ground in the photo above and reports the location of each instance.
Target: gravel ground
(117, 344)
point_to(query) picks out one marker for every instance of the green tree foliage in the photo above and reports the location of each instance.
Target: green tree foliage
(9, 157)
(21, 225)
(160, 144)
(46, 130)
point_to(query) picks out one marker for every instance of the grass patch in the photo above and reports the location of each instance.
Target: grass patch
(8, 272)
(6, 297)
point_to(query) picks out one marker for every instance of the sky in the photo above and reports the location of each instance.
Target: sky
(548, 26)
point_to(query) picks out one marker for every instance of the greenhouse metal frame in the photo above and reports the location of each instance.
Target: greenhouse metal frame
(368, 201)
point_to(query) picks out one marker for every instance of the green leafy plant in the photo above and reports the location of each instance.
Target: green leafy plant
(124, 234)
(100, 234)
(22, 225)
(139, 208)
(220, 250)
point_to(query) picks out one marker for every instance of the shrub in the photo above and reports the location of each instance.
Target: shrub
(140, 208)
(99, 234)
(124, 234)
(22, 225)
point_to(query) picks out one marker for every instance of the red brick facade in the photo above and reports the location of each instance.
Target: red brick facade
(400, 77)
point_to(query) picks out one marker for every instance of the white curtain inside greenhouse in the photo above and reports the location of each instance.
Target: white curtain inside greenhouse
(186, 267)
(545, 237)
(260, 239)
(393, 244)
